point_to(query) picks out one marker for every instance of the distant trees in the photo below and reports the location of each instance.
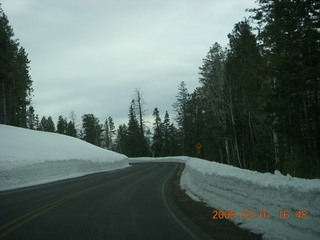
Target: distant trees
(62, 125)
(164, 138)
(65, 127)
(131, 138)
(92, 129)
(46, 124)
(136, 140)
(15, 81)
(158, 135)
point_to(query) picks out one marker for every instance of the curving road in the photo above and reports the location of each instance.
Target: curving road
(133, 203)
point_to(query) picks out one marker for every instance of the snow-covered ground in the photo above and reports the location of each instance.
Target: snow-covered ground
(238, 191)
(29, 157)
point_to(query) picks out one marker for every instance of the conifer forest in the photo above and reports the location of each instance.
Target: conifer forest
(257, 105)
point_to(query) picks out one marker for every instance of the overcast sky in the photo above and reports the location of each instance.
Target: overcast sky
(89, 56)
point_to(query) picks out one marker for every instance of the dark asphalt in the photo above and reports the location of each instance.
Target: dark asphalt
(133, 203)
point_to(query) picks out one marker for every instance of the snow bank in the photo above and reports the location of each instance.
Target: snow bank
(227, 188)
(179, 159)
(29, 157)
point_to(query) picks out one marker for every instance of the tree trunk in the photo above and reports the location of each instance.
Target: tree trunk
(234, 131)
(227, 150)
(4, 105)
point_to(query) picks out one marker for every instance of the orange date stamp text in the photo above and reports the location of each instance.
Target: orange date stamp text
(258, 215)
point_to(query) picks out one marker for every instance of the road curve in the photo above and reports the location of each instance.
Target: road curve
(133, 203)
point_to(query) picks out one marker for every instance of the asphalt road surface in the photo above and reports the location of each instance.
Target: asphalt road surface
(133, 203)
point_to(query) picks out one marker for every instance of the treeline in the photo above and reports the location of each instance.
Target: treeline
(133, 139)
(15, 81)
(136, 140)
(258, 105)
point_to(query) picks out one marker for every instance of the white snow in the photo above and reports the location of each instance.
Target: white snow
(29, 157)
(227, 188)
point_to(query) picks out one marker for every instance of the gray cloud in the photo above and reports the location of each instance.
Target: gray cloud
(90, 56)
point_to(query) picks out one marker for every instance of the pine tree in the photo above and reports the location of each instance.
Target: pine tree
(43, 125)
(92, 129)
(136, 142)
(71, 129)
(106, 134)
(157, 139)
(31, 118)
(62, 125)
(170, 141)
(111, 132)
(180, 107)
(50, 125)
(289, 33)
(121, 142)
(244, 76)
(139, 102)
(15, 81)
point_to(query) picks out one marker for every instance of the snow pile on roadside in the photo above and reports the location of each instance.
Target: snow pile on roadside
(29, 157)
(228, 188)
(180, 159)
(240, 191)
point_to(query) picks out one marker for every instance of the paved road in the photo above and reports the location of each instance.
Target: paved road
(134, 203)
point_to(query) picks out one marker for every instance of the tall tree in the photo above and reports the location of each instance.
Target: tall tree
(15, 81)
(244, 77)
(289, 32)
(157, 139)
(137, 144)
(170, 141)
(111, 132)
(139, 102)
(180, 107)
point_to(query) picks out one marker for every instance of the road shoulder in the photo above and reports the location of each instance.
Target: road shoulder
(201, 215)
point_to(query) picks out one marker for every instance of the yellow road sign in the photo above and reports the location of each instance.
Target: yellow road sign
(199, 146)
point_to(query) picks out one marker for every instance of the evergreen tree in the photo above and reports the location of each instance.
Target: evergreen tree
(244, 77)
(43, 125)
(92, 129)
(180, 107)
(15, 81)
(46, 125)
(121, 142)
(136, 144)
(216, 105)
(62, 125)
(71, 129)
(31, 118)
(289, 33)
(106, 134)
(157, 139)
(109, 133)
(139, 102)
(169, 137)
(50, 125)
